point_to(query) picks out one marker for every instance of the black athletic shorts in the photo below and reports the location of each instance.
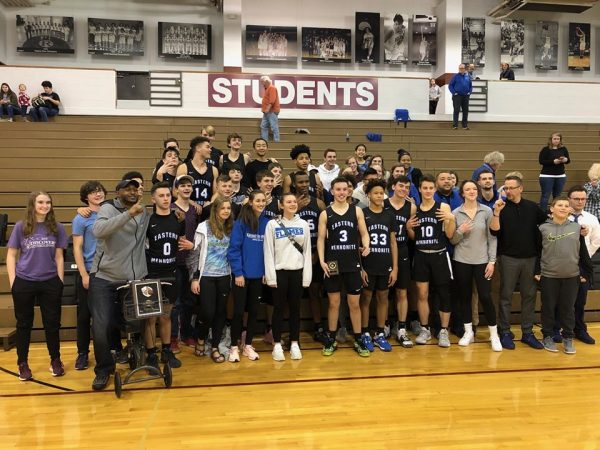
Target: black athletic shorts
(351, 282)
(170, 291)
(403, 280)
(317, 273)
(433, 268)
(377, 282)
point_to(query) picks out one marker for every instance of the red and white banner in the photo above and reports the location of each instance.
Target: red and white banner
(295, 92)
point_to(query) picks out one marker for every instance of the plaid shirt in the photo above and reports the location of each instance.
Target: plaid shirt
(593, 200)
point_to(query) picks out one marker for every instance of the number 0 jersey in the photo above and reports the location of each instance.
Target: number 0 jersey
(379, 226)
(342, 239)
(162, 242)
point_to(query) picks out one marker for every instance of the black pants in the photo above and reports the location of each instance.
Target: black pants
(84, 317)
(433, 106)
(48, 295)
(561, 293)
(288, 291)
(464, 274)
(460, 102)
(245, 299)
(213, 307)
(183, 309)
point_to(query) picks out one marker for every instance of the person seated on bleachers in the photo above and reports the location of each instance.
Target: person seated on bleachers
(50, 107)
(9, 104)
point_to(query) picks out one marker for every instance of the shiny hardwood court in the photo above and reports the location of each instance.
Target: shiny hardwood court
(425, 397)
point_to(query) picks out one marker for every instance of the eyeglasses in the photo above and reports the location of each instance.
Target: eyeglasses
(578, 199)
(511, 188)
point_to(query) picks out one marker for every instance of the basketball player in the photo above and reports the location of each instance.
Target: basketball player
(204, 174)
(300, 154)
(341, 229)
(431, 228)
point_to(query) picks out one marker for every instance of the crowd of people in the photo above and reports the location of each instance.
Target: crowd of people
(37, 109)
(233, 232)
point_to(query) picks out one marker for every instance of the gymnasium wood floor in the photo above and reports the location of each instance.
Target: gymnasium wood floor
(425, 397)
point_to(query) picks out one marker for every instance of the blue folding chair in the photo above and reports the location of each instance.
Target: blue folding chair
(401, 115)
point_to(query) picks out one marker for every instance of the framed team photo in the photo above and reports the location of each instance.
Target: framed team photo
(512, 43)
(473, 41)
(184, 40)
(367, 36)
(424, 40)
(45, 34)
(266, 43)
(395, 39)
(114, 37)
(327, 45)
(579, 46)
(546, 45)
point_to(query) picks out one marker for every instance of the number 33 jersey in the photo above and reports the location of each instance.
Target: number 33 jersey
(380, 226)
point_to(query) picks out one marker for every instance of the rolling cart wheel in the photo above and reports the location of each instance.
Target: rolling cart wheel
(118, 385)
(168, 375)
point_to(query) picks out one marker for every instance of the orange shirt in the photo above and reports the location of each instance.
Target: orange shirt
(271, 97)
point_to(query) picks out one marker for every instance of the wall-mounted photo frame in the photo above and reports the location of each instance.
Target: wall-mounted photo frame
(45, 34)
(184, 40)
(327, 45)
(267, 43)
(114, 37)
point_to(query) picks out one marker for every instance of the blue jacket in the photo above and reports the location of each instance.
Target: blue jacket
(245, 253)
(460, 84)
(454, 199)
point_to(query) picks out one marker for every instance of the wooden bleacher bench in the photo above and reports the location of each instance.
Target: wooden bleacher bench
(7, 335)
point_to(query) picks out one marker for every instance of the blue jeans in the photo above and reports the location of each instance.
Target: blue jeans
(9, 110)
(550, 185)
(269, 120)
(41, 113)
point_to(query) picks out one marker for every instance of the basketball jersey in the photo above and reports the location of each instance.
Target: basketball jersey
(402, 215)
(162, 243)
(215, 156)
(241, 162)
(342, 239)
(312, 186)
(272, 209)
(310, 213)
(202, 188)
(429, 235)
(379, 226)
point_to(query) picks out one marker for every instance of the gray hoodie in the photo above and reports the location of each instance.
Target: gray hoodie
(560, 249)
(120, 250)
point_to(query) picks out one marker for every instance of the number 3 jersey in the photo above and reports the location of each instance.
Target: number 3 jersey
(342, 239)
(379, 227)
(162, 238)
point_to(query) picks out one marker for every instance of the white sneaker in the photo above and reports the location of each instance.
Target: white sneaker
(295, 352)
(496, 345)
(468, 338)
(278, 352)
(403, 338)
(10, 120)
(250, 353)
(386, 331)
(423, 337)
(443, 339)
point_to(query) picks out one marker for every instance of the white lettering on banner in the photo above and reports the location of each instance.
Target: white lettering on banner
(295, 92)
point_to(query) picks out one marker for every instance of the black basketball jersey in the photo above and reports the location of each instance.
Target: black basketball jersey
(310, 213)
(161, 243)
(241, 162)
(402, 215)
(215, 156)
(312, 186)
(379, 226)
(342, 239)
(272, 209)
(202, 189)
(429, 235)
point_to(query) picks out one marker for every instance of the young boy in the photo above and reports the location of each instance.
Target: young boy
(266, 182)
(203, 174)
(239, 189)
(260, 162)
(277, 170)
(341, 229)
(300, 154)
(166, 168)
(380, 266)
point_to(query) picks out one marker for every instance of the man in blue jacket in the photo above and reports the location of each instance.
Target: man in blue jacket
(460, 87)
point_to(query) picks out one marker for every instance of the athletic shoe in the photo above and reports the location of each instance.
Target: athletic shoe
(382, 343)
(10, 119)
(329, 347)
(189, 342)
(25, 372)
(466, 339)
(496, 344)
(549, 344)
(250, 353)
(278, 352)
(368, 342)
(100, 381)
(556, 337)
(268, 338)
(415, 327)
(295, 352)
(443, 338)
(122, 356)
(584, 337)
(234, 355)
(342, 335)
(423, 337)
(568, 346)
(175, 345)
(152, 360)
(507, 341)
(466, 128)
(403, 338)
(81, 363)
(169, 358)
(361, 348)
(455, 128)
(530, 339)
(56, 368)
(387, 330)
(320, 336)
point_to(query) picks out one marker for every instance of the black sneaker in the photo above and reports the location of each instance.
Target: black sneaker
(100, 381)
(25, 372)
(123, 357)
(168, 357)
(82, 361)
(152, 360)
(320, 336)
(56, 368)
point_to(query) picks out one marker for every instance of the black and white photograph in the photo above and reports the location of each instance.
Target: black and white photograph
(184, 40)
(395, 39)
(546, 45)
(45, 34)
(579, 47)
(512, 43)
(327, 45)
(367, 37)
(424, 40)
(266, 43)
(473, 41)
(114, 37)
